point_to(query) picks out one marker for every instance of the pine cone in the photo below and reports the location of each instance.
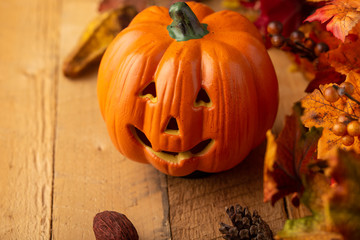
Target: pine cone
(245, 226)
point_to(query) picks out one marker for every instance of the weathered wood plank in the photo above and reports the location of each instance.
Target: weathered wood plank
(90, 175)
(28, 79)
(197, 206)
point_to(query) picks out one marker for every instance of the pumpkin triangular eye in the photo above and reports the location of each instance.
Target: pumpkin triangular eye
(149, 91)
(202, 99)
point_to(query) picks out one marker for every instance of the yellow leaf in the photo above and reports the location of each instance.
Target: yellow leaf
(96, 38)
(321, 113)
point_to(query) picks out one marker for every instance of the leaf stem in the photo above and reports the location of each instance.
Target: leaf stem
(347, 95)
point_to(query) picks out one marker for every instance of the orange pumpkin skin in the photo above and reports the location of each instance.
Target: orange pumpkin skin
(230, 63)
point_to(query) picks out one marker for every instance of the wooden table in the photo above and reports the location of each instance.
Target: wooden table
(58, 166)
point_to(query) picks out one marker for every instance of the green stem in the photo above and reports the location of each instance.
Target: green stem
(185, 25)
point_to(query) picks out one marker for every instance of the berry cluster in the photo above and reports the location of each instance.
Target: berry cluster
(347, 127)
(296, 43)
(333, 93)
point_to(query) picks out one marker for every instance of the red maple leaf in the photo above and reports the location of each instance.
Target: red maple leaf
(341, 16)
(287, 158)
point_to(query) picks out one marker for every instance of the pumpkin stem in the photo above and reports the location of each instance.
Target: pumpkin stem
(185, 25)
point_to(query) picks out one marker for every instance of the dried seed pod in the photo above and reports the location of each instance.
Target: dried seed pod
(110, 225)
(245, 225)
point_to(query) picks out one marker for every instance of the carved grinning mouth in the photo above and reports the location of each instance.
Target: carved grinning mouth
(199, 149)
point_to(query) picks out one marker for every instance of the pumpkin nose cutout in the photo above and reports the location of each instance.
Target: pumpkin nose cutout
(172, 127)
(202, 99)
(149, 92)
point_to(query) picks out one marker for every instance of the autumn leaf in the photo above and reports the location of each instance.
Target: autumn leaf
(324, 76)
(341, 16)
(319, 112)
(325, 73)
(345, 58)
(342, 209)
(287, 157)
(334, 65)
(96, 38)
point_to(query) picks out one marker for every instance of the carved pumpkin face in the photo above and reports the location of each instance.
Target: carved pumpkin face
(191, 104)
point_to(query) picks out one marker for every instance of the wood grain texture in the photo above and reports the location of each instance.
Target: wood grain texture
(197, 206)
(90, 175)
(28, 79)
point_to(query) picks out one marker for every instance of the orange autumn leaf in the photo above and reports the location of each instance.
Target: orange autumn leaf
(345, 58)
(319, 112)
(341, 16)
(287, 157)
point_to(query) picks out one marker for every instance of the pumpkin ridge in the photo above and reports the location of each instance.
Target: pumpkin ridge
(249, 134)
(155, 13)
(116, 55)
(201, 10)
(252, 60)
(224, 17)
(124, 69)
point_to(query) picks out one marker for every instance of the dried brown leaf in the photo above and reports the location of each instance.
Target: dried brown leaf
(97, 36)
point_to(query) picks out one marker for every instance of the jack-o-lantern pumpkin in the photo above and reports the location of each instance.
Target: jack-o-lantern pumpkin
(187, 89)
